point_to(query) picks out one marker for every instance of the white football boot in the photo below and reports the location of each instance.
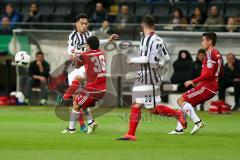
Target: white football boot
(197, 127)
(176, 132)
(92, 127)
(68, 131)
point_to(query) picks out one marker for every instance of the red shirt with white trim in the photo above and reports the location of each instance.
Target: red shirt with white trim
(212, 69)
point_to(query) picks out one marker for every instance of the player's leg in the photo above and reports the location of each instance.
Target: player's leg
(86, 100)
(73, 119)
(83, 127)
(169, 112)
(135, 116)
(192, 98)
(74, 79)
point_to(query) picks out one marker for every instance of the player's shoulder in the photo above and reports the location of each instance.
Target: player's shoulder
(157, 38)
(215, 53)
(72, 33)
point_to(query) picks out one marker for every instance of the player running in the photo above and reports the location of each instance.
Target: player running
(146, 90)
(95, 87)
(77, 45)
(205, 86)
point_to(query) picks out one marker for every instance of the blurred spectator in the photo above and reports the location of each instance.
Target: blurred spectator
(5, 26)
(100, 14)
(38, 75)
(197, 17)
(197, 68)
(214, 18)
(106, 28)
(124, 16)
(197, 64)
(182, 69)
(33, 14)
(231, 25)
(12, 15)
(231, 78)
(178, 17)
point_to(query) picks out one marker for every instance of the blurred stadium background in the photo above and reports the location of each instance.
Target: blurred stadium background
(179, 23)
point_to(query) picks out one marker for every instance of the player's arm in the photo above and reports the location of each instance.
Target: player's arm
(80, 61)
(164, 57)
(71, 48)
(207, 73)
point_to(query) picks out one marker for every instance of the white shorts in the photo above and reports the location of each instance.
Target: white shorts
(143, 94)
(74, 73)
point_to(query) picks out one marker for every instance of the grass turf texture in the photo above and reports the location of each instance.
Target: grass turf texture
(33, 133)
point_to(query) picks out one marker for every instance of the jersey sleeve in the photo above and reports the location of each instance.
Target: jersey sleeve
(71, 46)
(208, 70)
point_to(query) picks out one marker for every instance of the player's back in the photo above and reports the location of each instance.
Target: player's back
(212, 65)
(94, 62)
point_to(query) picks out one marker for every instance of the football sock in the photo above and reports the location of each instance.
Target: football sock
(189, 110)
(165, 111)
(88, 115)
(73, 119)
(81, 118)
(135, 117)
(179, 126)
(71, 89)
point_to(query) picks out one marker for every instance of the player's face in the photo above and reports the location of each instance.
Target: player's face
(205, 42)
(82, 25)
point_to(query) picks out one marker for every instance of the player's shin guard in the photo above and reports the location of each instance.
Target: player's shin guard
(135, 117)
(81, 118)
(73, 119)
(71, 90)
(165, 111)
(189, 110)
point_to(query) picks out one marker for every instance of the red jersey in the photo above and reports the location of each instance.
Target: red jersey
(212, 69)
(95, 68)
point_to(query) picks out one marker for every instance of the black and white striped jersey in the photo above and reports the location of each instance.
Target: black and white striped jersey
(153, 55)
(77, 41)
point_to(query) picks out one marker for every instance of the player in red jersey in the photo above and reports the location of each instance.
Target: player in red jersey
(205, 86)
(95, 87)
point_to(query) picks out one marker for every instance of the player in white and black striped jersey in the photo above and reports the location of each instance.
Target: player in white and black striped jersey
(146, 92)
(76, 45)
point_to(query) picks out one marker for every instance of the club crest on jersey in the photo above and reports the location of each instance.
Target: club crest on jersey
(209, 64)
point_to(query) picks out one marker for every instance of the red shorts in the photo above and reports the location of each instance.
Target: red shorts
(87, 99)
(197, 95)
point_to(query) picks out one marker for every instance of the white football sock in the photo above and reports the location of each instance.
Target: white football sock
(179, 125)
(189, 110)
(88, 115)
(73, 119)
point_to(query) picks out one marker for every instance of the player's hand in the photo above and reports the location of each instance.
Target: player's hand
(129, 61)
(113, 37)
(188, 83)
(73, 57)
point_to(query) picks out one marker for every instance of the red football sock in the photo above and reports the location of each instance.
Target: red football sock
(71, 89)
(165, 111)
(81, 118)
(135, 116)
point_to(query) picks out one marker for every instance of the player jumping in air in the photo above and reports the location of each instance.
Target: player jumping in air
(77, 45)
(95, 87)
(205, 86)
(146, 92)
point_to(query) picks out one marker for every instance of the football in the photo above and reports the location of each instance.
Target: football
(22, 58)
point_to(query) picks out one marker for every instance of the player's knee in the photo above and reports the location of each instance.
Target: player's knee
(180, 101)
(136, 105)
(78, 78)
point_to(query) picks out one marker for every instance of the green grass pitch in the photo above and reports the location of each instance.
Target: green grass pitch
(33, 133)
